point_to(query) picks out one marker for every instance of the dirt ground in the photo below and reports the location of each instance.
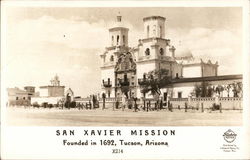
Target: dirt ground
(56, 117)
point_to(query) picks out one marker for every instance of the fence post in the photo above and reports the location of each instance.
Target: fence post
(202, 107)
(147, 106)
(179, 107)
(144, 104)
(171, 107)
(220, 108)
(185, 106)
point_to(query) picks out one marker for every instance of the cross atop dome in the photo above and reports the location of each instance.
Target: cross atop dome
(55, 81)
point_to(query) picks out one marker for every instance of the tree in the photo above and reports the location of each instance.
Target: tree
(203, 90)
(237, 88)
(124, 85)
(197, 91)
(153, 81)
(227, 88)
(219, 89)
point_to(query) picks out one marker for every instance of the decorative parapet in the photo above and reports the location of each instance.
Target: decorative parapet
(202, 99)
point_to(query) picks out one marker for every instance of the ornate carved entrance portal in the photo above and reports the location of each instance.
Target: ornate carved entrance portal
(125, 75)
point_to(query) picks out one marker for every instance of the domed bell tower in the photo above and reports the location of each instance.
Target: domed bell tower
(118, 34)
(154, 27)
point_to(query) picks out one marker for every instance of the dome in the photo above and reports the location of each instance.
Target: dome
(183, 52)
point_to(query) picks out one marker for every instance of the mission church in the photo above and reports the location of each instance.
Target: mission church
(122, 63)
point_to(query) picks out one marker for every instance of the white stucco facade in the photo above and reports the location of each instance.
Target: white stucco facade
(121, 62)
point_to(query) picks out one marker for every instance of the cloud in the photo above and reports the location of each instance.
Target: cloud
(40, 48)
(216, 45)
(75, 34)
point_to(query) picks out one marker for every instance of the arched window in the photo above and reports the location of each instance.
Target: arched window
(112, 40)
(147, 52)
(147, 31)
(160, 32)
(123, 39)
(112, 58)
(154, 30)
(117, 40)
(162, 51)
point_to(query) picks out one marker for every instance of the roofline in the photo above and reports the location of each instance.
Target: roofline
(153, 17)
(197, 64)
(118, 28)
(51, 86)
(210, 78)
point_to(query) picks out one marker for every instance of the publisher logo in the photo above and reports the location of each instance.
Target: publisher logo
(229, 136)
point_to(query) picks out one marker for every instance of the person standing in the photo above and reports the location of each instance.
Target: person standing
(135, 103)
(123, 102)
(103, 99)
(161, 104)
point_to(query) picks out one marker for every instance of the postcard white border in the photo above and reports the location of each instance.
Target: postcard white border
(244, 130)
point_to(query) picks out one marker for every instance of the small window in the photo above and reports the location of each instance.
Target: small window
(177, 75)
(147, 31)
(154, 30)
(117, 40)
(112, 58)
(112, 40)
(162, 51)
(16, 98)
(160, 32)
(123, 39)
(165, 96)
(147, 52)
(125, 77)
(23, 98)
(179, 94)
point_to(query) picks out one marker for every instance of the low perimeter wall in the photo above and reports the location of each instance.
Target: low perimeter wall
(227, 103)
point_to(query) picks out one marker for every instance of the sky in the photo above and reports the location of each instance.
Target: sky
(42, 42)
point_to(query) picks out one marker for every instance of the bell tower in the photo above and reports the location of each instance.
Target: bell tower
(154, 50)
(117, 46)
(154, 27)
(153, 45)
(118, 34)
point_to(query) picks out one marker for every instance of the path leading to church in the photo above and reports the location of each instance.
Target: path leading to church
(74, 117)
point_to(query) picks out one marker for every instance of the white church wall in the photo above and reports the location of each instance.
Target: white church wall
(108, 73)
(191, 71)
(209, 70)
(144, 68)
(184, 90)
(176, 69)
